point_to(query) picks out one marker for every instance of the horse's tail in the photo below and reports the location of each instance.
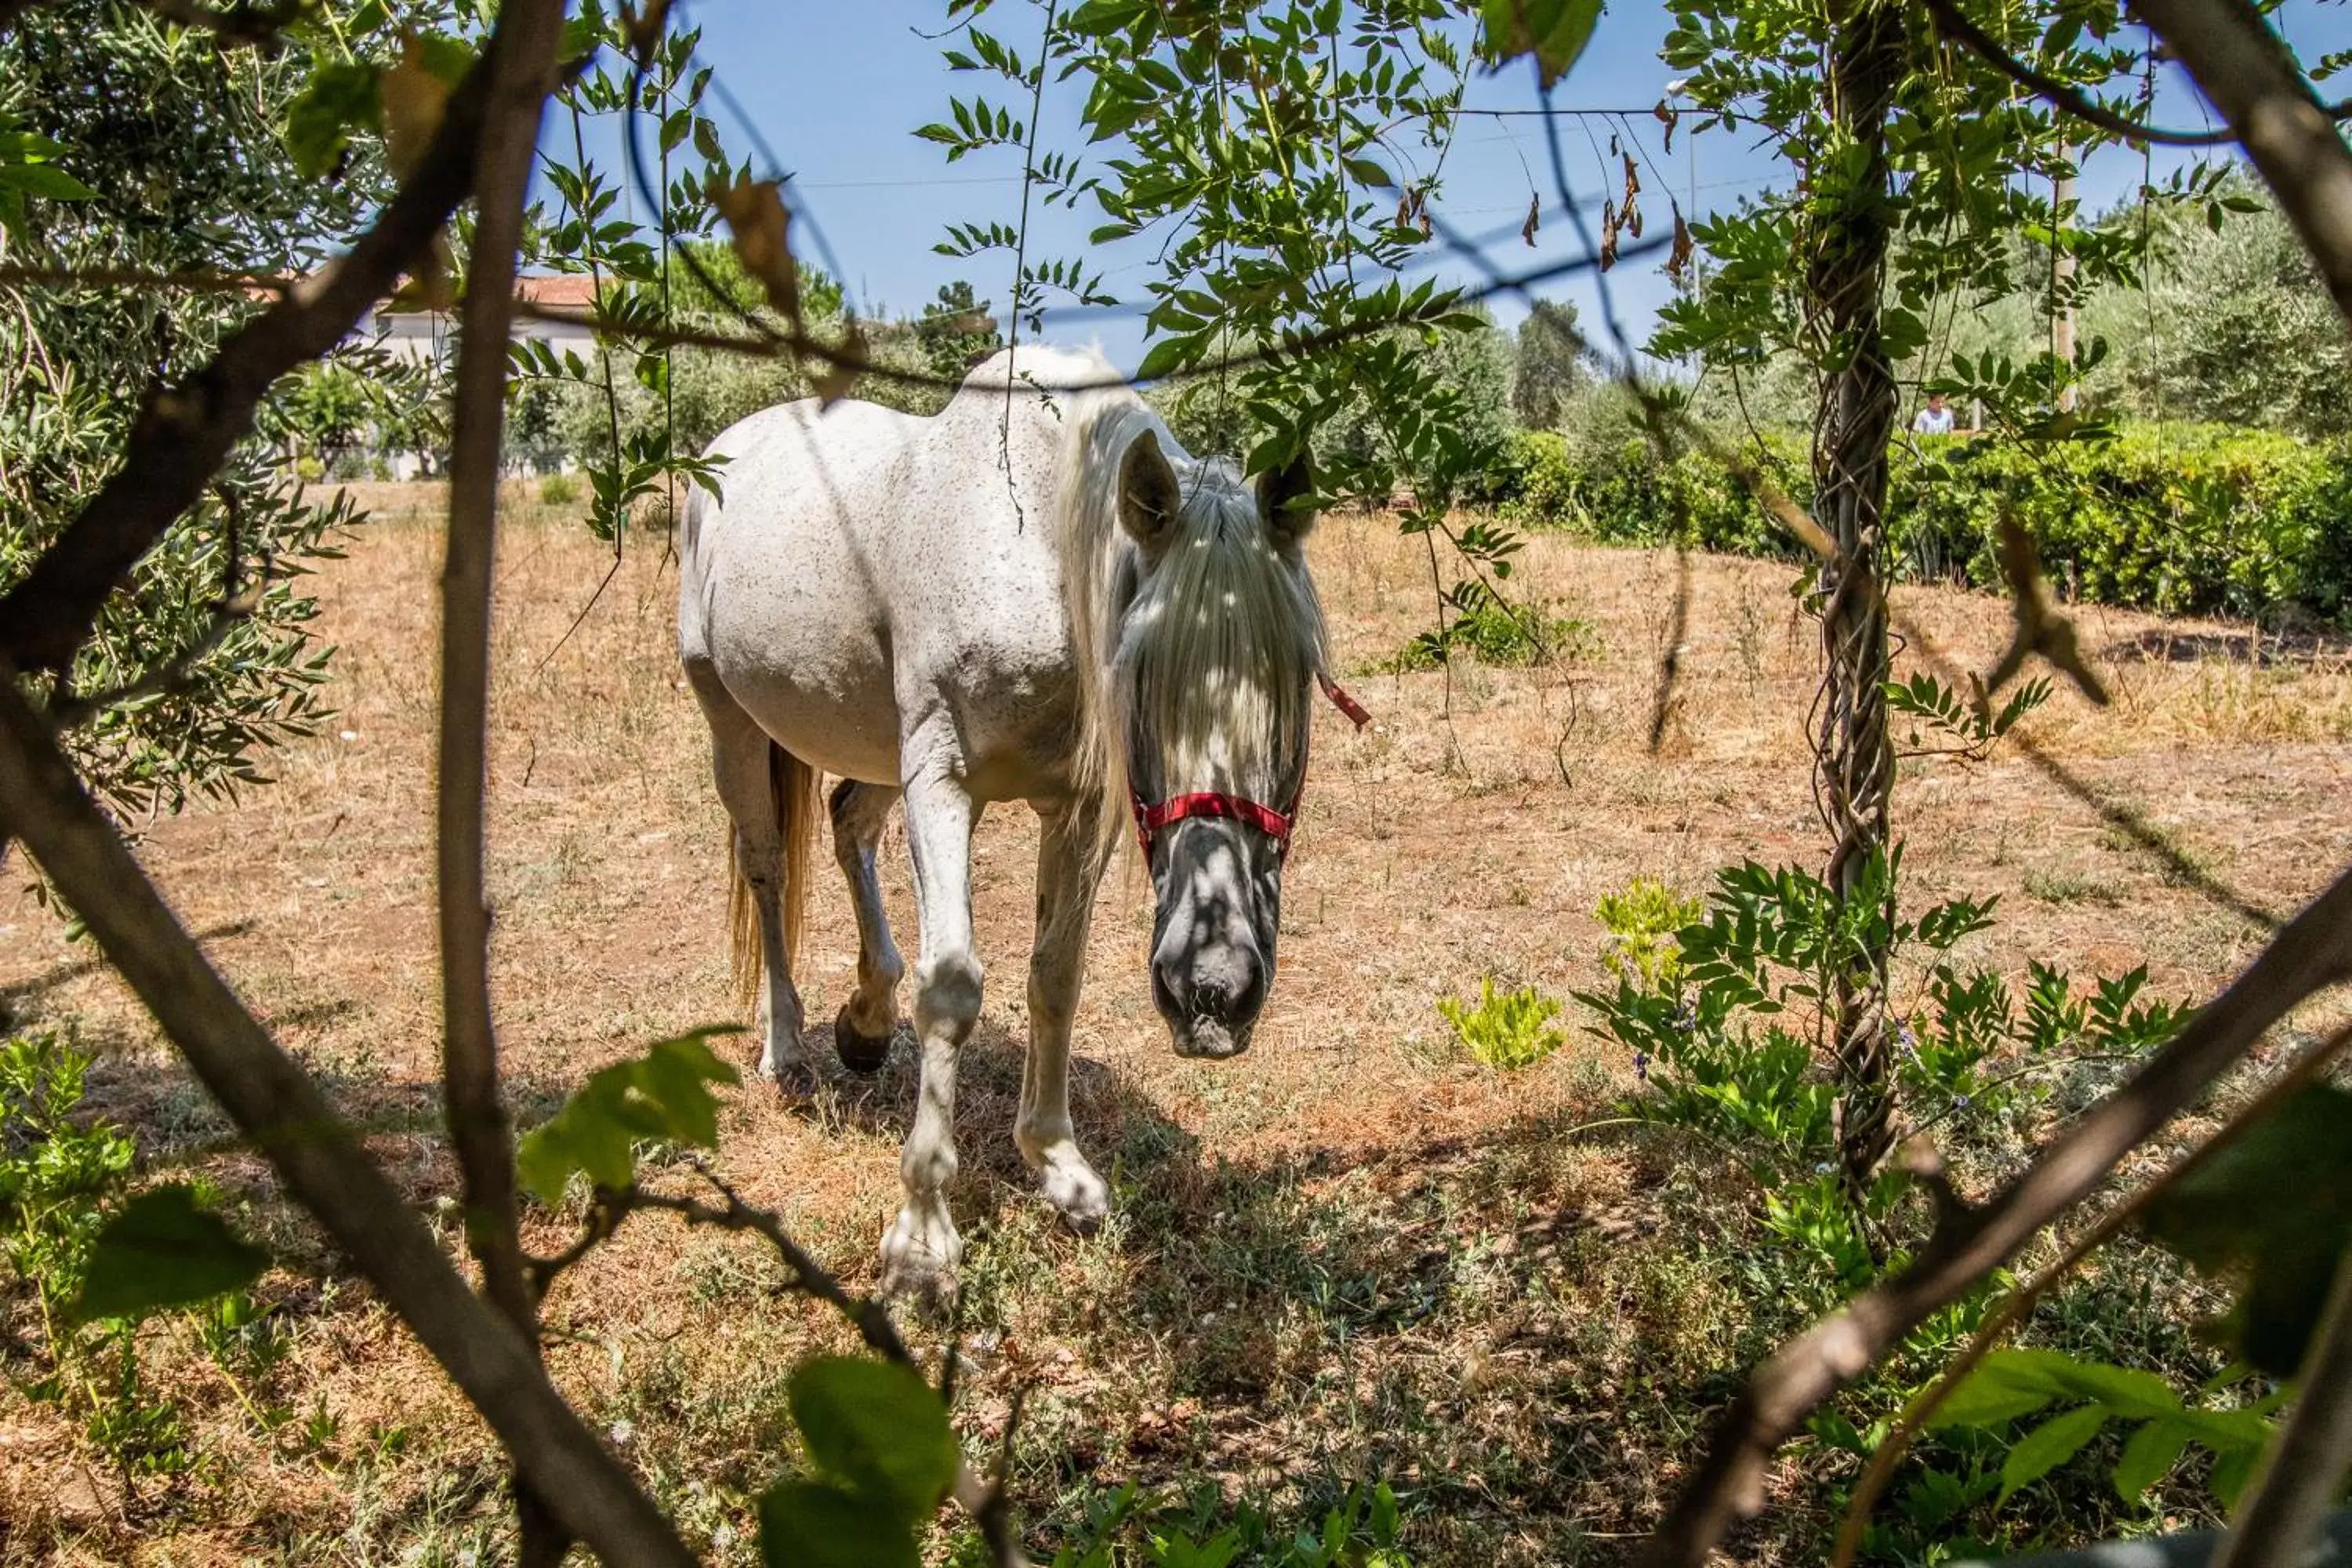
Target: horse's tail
(792, 796)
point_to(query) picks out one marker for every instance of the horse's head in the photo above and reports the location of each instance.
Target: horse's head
(1219, 643)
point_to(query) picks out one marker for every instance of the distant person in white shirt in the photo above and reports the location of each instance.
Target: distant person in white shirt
(1936, 419)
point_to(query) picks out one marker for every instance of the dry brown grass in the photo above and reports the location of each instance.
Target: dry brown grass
(1354, 1250)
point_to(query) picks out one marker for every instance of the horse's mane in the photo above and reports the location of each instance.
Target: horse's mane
(1220, 641)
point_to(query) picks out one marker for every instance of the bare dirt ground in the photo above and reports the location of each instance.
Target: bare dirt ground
(1354, 1252)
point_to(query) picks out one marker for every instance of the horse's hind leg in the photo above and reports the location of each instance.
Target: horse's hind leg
(1070, 866)
(743, 768)
(861, 1034)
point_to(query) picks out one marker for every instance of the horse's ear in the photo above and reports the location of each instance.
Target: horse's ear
(1147, 498)
(1285, 497)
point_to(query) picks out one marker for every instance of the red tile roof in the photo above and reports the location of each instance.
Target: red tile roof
(569, 292)
(574, 291)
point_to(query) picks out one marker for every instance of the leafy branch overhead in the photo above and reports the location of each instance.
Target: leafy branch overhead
(1283, 161)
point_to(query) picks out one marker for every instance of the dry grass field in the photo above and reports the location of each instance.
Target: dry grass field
(1354, 1252)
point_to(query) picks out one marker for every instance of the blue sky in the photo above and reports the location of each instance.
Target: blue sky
(837, 90)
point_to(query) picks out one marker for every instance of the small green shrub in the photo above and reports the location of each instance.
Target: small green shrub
(1505, 1030)
(559, 490)
(1360, 1530)
(1534, 480)
(56, 1177)
(1720, 1013)
(1708, 1022)
(1642, 922)
(1497, 634)
(60, 1180)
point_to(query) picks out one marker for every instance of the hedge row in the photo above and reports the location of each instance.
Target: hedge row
(2172, 518)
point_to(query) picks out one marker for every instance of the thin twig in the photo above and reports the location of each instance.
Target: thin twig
(2063, 95)
(984, 1499)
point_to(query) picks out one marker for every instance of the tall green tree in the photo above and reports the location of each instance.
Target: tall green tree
(956, 331)
(2229, 325)
(1549, 364)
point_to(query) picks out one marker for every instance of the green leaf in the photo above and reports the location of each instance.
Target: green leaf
(2124, 1391)
(1554, 31)
(1996, 1391)
(2015, 1383)
(1166, 355)
(1100, 18)
(2049, 1446)
(2230, 1473)
(664, 1094)
(809, 1525)
(342, 97)
(878, 1429)
(2274, 1209)
(160, 1250)
(2148, 1457)
(42, 180)
(1367, 172)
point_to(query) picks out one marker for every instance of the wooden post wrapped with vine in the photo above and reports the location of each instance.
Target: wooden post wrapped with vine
(1854, 763)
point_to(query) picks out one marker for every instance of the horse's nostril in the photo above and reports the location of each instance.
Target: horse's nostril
(1231, 995)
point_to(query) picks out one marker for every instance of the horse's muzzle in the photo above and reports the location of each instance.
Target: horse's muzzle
(1206, 1039)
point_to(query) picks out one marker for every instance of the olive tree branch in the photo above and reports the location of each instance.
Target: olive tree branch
(522, 73)
(2312, 951)
(315, 1153)
(183, 433)
(2247, 72)
(167, 676)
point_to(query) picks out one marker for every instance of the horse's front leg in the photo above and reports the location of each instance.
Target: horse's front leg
(920, 1250)
(1069, 867)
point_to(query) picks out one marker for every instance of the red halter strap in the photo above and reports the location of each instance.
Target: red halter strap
(1151, 819)
(1276, 824)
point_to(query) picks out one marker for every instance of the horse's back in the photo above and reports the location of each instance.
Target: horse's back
(868, 569)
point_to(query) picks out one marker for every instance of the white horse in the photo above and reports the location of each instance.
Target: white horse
(1046, 602)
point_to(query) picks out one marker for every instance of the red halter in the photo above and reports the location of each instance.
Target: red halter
(1276, 824)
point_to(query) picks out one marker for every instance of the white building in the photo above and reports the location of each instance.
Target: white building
(419, 333)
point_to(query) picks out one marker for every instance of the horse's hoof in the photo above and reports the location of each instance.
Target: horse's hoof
(916, 1273)
(1080, 1196)
(859, 1052)
(795, 1081)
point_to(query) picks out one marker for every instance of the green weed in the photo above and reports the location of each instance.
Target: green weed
(1642, 922)
(1505, 1030)
(1495, 634)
